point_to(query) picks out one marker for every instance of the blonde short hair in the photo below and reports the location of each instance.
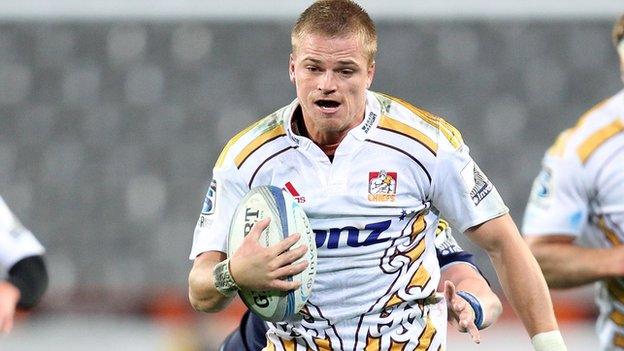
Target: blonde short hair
(337, 18)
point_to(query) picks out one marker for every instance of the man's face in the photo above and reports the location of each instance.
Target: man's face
(331, 76)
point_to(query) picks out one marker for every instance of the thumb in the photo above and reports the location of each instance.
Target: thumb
(449, 290)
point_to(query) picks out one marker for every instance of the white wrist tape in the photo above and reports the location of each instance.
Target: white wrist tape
(548, 341)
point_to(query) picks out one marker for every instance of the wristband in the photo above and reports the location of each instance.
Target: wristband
(548, 341)
(223, 281)
(476, 306)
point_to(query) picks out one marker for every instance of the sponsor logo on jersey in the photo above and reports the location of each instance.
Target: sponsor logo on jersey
(371, 234)
(382, 186)
(292, 191)
(476, 182)
(369, 122)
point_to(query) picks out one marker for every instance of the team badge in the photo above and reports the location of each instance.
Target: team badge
(211, 197)
(382, 186)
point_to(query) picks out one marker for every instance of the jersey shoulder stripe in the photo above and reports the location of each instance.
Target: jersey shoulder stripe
(395, 126)
(449, 131)
(268, 135)
(558, 147)
(593, 129)
(243, 144)
(598, 138)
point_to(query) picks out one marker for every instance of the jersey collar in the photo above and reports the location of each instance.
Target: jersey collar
(371, 119)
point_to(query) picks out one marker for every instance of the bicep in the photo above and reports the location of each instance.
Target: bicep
(494, 233)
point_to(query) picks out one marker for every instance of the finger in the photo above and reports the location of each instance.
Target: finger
(290, 256)
(285, 285)
(473, 331)
(258, 228)
(290, 270)
(449, 290)
(6, 325)
(458, 306)
(285, 244)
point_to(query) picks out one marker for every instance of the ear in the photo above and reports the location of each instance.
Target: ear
(370, 75)
(291, 68)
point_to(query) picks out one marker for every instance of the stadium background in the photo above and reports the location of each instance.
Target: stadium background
(112, 114)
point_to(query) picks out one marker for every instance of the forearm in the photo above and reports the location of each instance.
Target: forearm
(524, 286)
(203, 294)
(518, 272)
(567, 265)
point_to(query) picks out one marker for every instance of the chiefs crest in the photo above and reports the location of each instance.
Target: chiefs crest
(382, 186)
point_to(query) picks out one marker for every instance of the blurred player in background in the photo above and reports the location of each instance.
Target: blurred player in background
(458, 271)
(24, 272)
(574, 222)
(377, 271)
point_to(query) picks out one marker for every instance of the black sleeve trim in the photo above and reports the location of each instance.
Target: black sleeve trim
(460, 256)
(30, 276)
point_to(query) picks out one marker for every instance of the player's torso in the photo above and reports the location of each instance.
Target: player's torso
(374, 242)
(370, 211)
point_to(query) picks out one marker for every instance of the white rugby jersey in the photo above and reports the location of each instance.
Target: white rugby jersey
(374, 212)
(580, 192)
(16, 242)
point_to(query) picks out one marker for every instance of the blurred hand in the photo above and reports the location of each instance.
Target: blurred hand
(255, 267)
(9, 296)
(460, 313)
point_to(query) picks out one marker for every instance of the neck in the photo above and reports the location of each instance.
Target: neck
(327, 141)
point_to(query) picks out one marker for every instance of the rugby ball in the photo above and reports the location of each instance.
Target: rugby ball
(287, 217)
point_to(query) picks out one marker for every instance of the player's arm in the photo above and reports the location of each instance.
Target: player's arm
(566, 265)
(519, 274)
(203, 294)
(30, 277)
(26, 282)
(555, 216)
(476, 306)
(214, 279)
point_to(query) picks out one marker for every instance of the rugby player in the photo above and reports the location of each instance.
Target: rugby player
(377, 270)
(574, 221)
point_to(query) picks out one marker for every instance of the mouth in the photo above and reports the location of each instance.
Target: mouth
(327, 105)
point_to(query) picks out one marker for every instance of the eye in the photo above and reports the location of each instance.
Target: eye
(347, 71)
(312, 68)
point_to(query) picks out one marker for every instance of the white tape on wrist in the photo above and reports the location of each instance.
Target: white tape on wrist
(548, 341)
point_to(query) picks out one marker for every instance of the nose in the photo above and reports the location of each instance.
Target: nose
(327, 83)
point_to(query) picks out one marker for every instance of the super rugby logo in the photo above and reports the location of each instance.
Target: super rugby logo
(382, 186)
(208, 207)
(209, 200)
